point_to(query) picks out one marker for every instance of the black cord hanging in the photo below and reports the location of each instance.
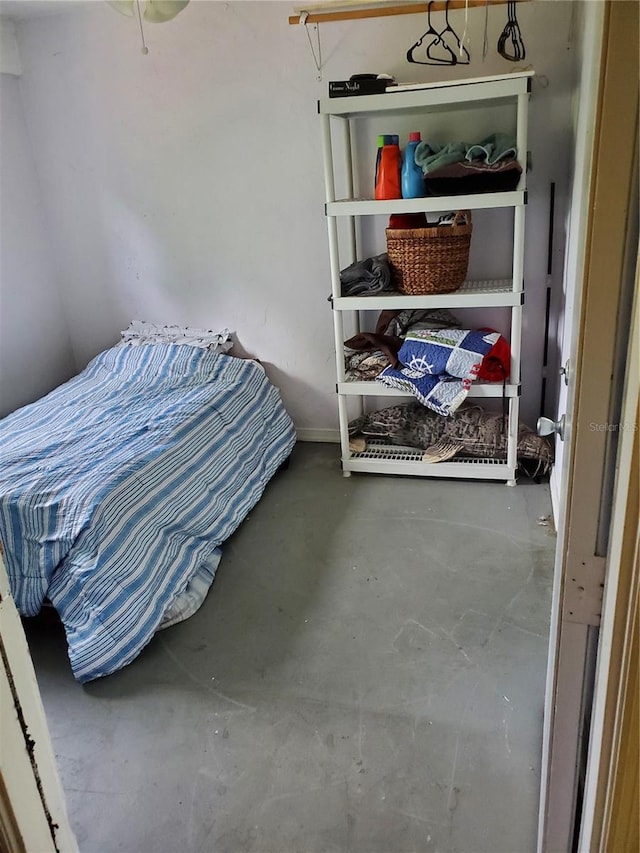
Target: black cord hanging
(485, 40)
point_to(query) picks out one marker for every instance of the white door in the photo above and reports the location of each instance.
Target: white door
(600, 203)
(33, 815)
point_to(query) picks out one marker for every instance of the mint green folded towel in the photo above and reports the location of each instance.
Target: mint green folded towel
(431, 157)
(498, 146)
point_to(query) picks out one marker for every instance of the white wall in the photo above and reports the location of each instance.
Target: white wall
(186, 186)
(9, 53)
(35, 349)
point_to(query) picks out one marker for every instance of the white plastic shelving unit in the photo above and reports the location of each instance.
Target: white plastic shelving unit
(338, 114)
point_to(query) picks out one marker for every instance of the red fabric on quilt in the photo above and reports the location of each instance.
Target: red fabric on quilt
(496, 365)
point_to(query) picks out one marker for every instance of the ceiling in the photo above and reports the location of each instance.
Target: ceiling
(24, 10)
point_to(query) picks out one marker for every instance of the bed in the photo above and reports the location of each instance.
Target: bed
(118, 488)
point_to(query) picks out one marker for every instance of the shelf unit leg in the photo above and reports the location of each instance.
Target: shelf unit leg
(348, 155)
(522, 124)
(516, 313)
(336, 288)
(343, 416)
(511, 483)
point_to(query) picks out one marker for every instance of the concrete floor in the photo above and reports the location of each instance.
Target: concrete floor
(366, 675)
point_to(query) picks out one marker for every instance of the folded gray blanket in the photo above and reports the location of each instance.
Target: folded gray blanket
(367, 278)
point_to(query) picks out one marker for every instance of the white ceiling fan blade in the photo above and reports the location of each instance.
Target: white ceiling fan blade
(158, 11)
(125, 7)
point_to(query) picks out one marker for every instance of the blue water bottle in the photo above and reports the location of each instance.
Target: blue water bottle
(411, 179)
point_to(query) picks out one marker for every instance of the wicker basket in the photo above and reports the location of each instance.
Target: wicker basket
(430, 260)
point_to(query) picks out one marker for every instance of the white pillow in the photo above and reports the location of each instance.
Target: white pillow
(141, 332)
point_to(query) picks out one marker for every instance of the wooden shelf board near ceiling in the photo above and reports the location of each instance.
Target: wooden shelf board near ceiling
(318, 17)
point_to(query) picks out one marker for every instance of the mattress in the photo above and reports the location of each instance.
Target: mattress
(118, 488)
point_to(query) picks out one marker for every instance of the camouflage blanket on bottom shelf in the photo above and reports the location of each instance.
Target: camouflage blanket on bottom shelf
(468, 432)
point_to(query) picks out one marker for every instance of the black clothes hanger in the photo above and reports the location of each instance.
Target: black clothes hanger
(436, 41)
(510, 43)
(459, 50)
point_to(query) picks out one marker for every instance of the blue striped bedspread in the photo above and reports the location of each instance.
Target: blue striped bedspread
(119, 486)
